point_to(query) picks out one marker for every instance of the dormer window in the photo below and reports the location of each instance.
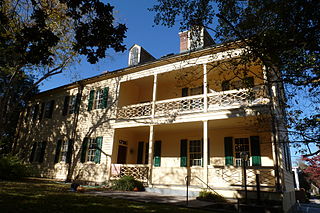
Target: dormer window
(138, 55)
(134, 56)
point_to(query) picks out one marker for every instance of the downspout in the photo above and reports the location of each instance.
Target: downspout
(74, 131)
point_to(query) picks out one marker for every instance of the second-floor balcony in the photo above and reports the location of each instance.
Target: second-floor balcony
(196, 104)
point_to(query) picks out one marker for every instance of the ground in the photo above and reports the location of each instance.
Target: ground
(48, 196)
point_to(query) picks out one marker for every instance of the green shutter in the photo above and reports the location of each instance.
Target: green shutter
(140, 152)
(97, 155)
(225, 85)
(184, 92)
(41, 111)
(51, 109)
(58, 149)
(33, 151)
(157, 154)
(78, 101)
(228, 150)
(69, 152)
(43, 150)
(84, 150)
(90, 102)
(183, 153)
(65, 105)
(255, 150)
(105, 97)
(146, 157)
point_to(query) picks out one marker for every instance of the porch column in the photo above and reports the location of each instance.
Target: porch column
(150, 160)
(205, 151)
(154, 95)
(205, 88)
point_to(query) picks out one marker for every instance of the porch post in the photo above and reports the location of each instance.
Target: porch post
(205, 88)
(205, 151)
(154, 95)
(150, 160)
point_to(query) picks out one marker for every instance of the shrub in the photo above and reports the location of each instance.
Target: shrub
(12, 167)
(127, 183)
(212, 196)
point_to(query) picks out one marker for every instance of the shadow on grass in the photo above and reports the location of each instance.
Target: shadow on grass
(41, 196)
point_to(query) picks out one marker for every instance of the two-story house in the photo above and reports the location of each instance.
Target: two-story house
(194, 114)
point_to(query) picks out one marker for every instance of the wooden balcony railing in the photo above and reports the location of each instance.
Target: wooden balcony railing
(216, 100)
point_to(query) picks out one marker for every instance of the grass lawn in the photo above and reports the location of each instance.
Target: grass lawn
(41, 196)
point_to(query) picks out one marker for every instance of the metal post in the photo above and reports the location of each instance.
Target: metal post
(245, 180)
(258, 187)
(187, 195)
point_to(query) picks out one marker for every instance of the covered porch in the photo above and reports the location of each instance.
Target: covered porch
(206, 151)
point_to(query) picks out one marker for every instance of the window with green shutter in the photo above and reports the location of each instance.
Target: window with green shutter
(183, 153)
(228, 151)
(255, 150)
(157, 154)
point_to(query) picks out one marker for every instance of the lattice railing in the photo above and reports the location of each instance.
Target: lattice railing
(139, 172)
(234, 175)
(196, 103)
(228, 98)
(185, 104)
(136, 110)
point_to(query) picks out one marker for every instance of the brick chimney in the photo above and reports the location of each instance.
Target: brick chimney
(194, 39)
(183, 41)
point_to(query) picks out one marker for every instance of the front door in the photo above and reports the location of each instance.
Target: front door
(122, 154)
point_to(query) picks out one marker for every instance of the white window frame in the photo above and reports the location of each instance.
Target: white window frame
(195, 155)
(238, 159)
(63, 151)
(98, 100)
(72, 104)
(91, 149)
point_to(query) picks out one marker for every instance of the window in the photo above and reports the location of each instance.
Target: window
(192, 149)
(64, 151)
(195, 152)
(241, 145)
(71, 104)
(91, 150)
(35, 112)
(134, 56)
(38, 151)
(247, 82)
(98, 99)
(234, 147)
(48, 109)
(92, 147)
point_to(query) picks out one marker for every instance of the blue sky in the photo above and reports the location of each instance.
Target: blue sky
(157, 40)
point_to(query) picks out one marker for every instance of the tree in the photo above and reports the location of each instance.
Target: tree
(41, 38)
(283, 35)
(14, 107)
(313, 169)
